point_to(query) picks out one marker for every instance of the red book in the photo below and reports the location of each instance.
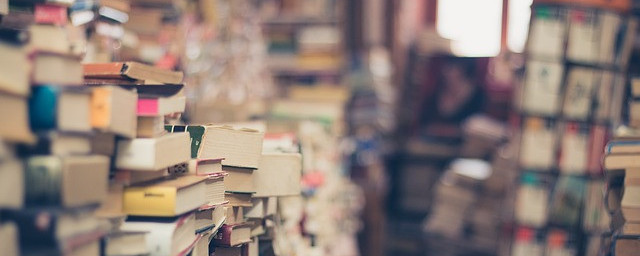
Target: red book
(233, 235)
(50, 14)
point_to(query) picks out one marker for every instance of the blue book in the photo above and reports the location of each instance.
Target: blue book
(60, 108)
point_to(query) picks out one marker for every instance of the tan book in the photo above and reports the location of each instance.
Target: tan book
(9, 238)
(58, 69)
(113, 109)
(279, 175)
(234, 214)
(133, 70)
(103, 143)
(150, 126)
(238, 199)
(68, 181)
(14, 70)
(11, 185)
(152, 154)
(621, 161)
(49, 38)
(239, 179)
(14, 124)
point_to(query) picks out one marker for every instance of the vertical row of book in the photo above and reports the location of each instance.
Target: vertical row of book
(572, 93)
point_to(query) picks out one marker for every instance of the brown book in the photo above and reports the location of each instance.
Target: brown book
(233, 235)
(631, 228)
(133, 70)
(241, 250)
(627, 246)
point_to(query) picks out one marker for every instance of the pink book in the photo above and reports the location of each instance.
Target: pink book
(161, 106)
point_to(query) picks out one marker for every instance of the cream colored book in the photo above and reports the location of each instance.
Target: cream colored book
(279, 175)
(151, 154)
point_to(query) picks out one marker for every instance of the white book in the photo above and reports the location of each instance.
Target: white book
(547, 37)
(583, 43)
(543, 81)
(531, 205)
(258, 210)
(538, 145)
(173, 237)
(279, 175)
(152, 154)
(581, 83)
(575, 150)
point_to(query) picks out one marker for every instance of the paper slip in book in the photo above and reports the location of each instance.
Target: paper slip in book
(14, 124)
(60, 108)
(238, 147)
(166, 236)
(165, 198)
(68, 181)
(151, 154)
(132, 70)
(279, 175)
(113, 109)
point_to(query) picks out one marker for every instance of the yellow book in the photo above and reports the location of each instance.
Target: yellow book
(166, 198)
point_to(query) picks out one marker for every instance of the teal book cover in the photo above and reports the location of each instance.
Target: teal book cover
(43, 107)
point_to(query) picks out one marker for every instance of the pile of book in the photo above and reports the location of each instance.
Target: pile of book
(621, 163)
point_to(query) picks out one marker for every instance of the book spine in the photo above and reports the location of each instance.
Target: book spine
(223, 237)
(100, 107)
(43, 181)
(50, 14)
(43, 107)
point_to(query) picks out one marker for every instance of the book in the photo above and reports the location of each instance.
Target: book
(11, 184)
(58, 69)
(622, 146)
(68, 181)
(132, 70)
(14, 124)
(238, 147)
(231, 251)
(131, 177)
(126, 243)
(279, 175)
(532, 198)
(49, 39)
(165, 236)
(113, 109)
(239, 179)
(526, 242)
(574, 149)
(541, 93)
(621, 161)
(15, 69)
(238, 198)
(215, 187)
(583, 36)
(625, 245)
(547, 33)
(57, 143)
(597, 141)
(594, 216)
(9, 238)
(103, 143)
(234, 214)
(631, 228)
(603, 100)
(565, 207)
(538, 149)
(630, 203)
(50, 14)
(57, 230)
(581, 83)
(233, 235)
(151, 154)
(205, 166)
(150, 126)
(258, 210)
(165, 198)
(210, 219)
(60, 108)
(202, 246)
(161, 106)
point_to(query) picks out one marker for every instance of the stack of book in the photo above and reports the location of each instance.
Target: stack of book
(51, 195)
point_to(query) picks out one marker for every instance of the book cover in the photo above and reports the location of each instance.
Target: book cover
(166, 198)
(152, 154)
(547, 33)
(50, 14)
(578, 96)
(542, 87)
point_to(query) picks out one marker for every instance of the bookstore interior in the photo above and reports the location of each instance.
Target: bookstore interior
(319, 127)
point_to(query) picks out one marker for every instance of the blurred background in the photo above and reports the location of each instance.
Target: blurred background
(428, 127)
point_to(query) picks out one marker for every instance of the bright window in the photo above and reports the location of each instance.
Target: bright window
(474, 26)
(519, 14)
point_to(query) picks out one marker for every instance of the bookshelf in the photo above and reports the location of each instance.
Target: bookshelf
(569, 103)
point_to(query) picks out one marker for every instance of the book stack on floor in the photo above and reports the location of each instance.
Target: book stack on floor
(621, 163)
(51, 193)
(60, 182)
(572, 94)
